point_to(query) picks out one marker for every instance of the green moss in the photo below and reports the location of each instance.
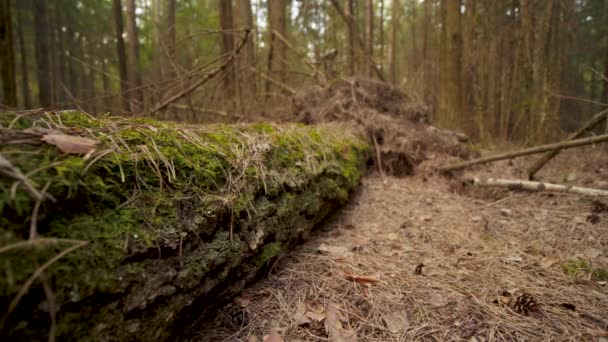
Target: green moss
(577, 268)
(157, 195)
(269, 251)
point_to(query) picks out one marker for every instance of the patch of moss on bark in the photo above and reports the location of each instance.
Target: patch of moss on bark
(171, 212)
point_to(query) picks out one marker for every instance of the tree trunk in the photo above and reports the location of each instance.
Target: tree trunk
(369, 35)
(350, 46)
(244, 18)
(171, 32)
(278, 54)
(227, 26)
(25, 79)
(450, 89)
(413, 4)
(122, 55)
(137, 99)
(158, 40)
(105, 82)
(605, 93)
(394, 28)
(381, 30)
(43, 71)
(60, 60)
(7, 55)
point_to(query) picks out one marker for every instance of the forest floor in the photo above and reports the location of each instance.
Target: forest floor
(497, 265)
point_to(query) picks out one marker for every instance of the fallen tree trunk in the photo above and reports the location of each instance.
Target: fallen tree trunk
(153, 222)
(591, 124)
(527, 151)
(520, 184)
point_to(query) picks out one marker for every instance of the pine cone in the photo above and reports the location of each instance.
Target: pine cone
(524, 304)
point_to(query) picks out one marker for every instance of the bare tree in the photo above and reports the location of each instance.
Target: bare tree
(350, 46)
(7, 55)
(171, 33)
(277, 56)
(137, 99)
(450, 87)
(243, 17)
(227, 26)
(122, 55)
(25, 75)
(369, 34)
(43, 70)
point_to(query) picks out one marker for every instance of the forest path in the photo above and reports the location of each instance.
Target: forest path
(478, 251)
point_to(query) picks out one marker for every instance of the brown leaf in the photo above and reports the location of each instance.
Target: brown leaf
(396, 322)
(334, 329)
(70, 143)
(360, 279)
(252, 338)
(273, 336)
(242, 301)
(300, 317)
(436, 299)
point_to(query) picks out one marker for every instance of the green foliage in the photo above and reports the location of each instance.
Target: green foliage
(577, 268)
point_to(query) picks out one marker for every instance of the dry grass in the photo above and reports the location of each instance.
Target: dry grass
(474, 246)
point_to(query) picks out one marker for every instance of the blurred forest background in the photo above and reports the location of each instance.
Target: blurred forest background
(508, 70)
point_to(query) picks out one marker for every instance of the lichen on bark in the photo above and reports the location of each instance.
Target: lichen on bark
(175, 216)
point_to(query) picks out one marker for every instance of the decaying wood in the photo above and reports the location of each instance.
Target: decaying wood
(520, 184)
(596, 120)
(527, 151)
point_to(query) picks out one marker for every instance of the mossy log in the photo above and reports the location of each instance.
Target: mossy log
(174, 217)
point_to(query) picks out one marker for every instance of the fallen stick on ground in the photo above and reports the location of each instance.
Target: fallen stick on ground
(597, 119)
(527, 151)
(520, 184)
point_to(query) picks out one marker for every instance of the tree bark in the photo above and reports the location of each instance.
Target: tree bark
(278, 53)
(394, 28)
(122, 55)
(244, 18)
(7, 55)
(351, 33)
(25, 79)
(369, 34)
(413, 24)
(43, 71)
(171, 32)
(137, 99)
(227, 26)
(450, 89)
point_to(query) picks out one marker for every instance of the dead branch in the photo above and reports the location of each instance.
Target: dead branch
(519, 184)
(281, 85)
(316, 73)
(597, 119)
(351, 24)
(205, 78)
(527, 151)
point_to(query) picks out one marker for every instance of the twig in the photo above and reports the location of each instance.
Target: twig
(597, 119)
(520, 184)
(527, 151)
(281, 85)
(34, 220)
(203, 80)
(378, 156)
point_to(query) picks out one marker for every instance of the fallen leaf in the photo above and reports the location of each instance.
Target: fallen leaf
(396, 322)
(360, 279)
(252, 338)
(273, 336)
(334, 329)
(436, 299)
(336, 251)
(593, 253)
(242, 301)
(315, 316)
(70, 143)
(299, 317)
(392, 236)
